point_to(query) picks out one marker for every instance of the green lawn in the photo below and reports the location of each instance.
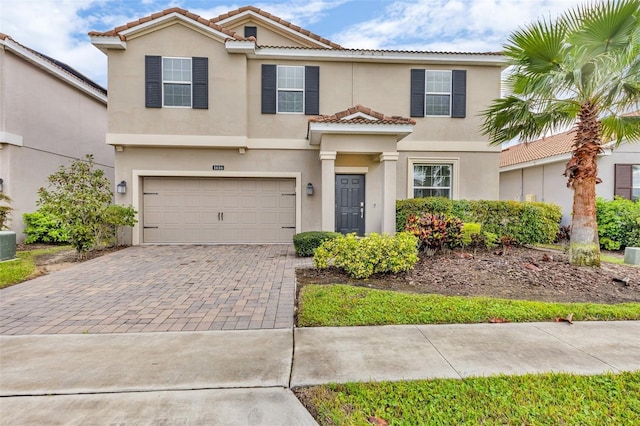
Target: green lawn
(548, 399)
(15, 271)
(343, 305)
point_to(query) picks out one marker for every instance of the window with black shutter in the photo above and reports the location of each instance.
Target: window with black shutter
(290, 89)
(438, 93)
(176, 82)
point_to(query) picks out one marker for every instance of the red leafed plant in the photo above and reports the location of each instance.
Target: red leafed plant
(435, 231)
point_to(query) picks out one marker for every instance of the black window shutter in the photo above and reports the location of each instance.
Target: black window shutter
(250, 32)
(269, 89)
(200, 81)
(312, 90)
(623, 180)
(417, 93)
(459, 94)
(153, 81)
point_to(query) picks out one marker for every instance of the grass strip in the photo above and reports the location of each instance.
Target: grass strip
(547, 399)
(343, 305)
(16, 271)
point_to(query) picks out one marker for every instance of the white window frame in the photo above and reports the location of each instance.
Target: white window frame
(177, 82)
(634, 185)
(454, 162)
(449, 93)
(278, 90)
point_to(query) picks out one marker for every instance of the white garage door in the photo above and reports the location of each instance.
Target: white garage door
(218, 210)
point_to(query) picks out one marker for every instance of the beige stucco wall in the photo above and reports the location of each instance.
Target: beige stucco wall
(269, 35)
(547, 183)
(226, 115)
(57, 123)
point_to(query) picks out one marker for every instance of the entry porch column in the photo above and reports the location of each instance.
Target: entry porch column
(328, 159)
(389, 162)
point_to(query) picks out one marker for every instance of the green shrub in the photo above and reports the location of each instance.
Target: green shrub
(470, 232)
(527, 223)
(415, 206)
(363, 257)
(115, 218)
(305, 243)
(435, 231)
(5, 211)
(44, 227)
(618, 223)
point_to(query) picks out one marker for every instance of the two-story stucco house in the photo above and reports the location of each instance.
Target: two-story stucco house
(50, 115)
(247, 128)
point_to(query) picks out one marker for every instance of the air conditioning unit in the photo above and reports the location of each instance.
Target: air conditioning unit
(7, 245)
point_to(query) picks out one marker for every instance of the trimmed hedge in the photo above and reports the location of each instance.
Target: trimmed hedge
(618, 223)
(527, 223)
(305, 243)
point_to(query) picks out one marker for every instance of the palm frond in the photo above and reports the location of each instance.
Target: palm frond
(536, 48)
(621, 127)
(511, 117)
(604, 26)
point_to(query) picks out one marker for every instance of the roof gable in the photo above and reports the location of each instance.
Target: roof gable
(361, 115)
(300, 36)
(161, 20)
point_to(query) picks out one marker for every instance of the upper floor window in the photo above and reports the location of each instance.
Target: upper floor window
(176, 82)
(438, 93)
(250, 31)
(290, 89)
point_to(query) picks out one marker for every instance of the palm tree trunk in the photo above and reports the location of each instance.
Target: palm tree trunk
(582, 173)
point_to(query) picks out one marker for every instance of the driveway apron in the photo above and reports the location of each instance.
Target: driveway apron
(159, 288)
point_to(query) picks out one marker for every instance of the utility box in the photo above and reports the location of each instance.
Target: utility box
(7, 245)
(632, 255)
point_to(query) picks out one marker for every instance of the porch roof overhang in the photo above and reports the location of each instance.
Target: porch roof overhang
(317, 130)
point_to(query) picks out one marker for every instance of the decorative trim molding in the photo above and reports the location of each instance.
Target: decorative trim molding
(10, 138)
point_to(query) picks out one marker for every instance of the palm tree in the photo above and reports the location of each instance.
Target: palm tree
(581, 70)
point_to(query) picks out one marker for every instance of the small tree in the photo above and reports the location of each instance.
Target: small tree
(5, 212)
(79, 197)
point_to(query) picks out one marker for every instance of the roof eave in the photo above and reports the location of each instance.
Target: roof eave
(547, 160)
(316, 130)
(105, 43)
(354, 55)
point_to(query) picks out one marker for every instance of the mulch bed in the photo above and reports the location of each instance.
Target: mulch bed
(520, 273)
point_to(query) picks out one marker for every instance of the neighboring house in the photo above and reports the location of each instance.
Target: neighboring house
(247, 128)
(534, 172)
(50, 115)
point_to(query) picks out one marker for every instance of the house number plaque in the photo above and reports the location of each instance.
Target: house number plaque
(218, 167)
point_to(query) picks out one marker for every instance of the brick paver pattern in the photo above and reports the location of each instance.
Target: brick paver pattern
(159, 288)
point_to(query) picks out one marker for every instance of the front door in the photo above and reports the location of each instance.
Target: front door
(350, 204)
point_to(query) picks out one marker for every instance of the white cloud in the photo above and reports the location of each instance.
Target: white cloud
(448, 25)
(55, 28)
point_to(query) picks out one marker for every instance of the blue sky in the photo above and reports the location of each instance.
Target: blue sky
(59, 28)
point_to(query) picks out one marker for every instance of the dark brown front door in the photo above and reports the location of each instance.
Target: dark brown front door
(350, 204)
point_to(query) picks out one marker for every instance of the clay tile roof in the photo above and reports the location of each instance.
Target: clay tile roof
(116, 31)
(562, 143)
(380, 118)
(276, 20)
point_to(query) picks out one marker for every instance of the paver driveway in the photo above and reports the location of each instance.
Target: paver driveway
(159, 288)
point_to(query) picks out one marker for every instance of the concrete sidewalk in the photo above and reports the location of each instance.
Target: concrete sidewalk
(243, 377)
